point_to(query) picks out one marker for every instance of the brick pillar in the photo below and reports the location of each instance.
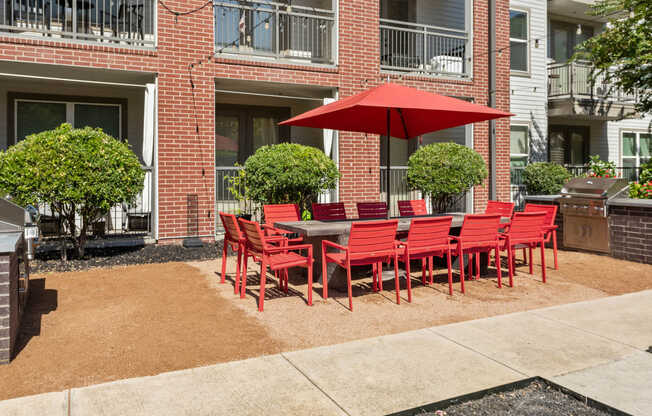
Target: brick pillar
(186, 121)
(6, 338)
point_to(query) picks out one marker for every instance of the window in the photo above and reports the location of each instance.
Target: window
(34, 114)
(519, 147)
(636, 150)
(565, 39)
(518, 40)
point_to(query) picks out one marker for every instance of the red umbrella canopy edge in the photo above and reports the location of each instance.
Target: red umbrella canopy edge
(412, 112)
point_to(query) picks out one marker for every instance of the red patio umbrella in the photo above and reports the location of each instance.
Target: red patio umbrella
(403, 112)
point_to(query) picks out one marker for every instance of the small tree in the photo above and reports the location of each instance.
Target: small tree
(545, 178)
(78, 172)
(444, 172)
(288, 173)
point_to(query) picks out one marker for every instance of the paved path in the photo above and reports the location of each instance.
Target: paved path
(596, 348)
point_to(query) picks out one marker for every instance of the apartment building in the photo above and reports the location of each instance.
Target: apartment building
(560, 115)
(196, 87)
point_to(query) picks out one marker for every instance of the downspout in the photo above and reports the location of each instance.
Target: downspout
(492, 97)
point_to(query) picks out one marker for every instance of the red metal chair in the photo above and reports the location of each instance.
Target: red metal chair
(412, 208)
(372, 210)
(333, 211)
(281, 213)
(234, 239)
(527, 229)
(479, 234)
(549, 223)
(258, 247)
(427, 237)
(369, 243)
(505, 209)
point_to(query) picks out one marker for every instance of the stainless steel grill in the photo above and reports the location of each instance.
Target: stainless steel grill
(583, 204)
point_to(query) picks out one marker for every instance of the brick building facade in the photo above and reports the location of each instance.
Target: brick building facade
(188, 68)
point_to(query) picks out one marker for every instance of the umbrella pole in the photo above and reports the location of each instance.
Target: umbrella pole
(389, 164)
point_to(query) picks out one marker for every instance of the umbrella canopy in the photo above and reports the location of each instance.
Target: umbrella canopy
(411, 112)
(402, 112)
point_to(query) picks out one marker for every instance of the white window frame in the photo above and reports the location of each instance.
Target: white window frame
(637, 144)
(70, 111)
(525, 41)
(527, 138)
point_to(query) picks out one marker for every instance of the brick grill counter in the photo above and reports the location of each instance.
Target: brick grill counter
(10, 244)
(630, 229)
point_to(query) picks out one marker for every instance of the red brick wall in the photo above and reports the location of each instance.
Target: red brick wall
(186, 115)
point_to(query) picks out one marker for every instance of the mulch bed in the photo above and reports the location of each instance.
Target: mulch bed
(537, 398)
(50, 261)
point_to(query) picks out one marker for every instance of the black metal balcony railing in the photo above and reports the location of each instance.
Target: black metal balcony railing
(573, 79)
(414, 47)
(111, 22)
(275, 30)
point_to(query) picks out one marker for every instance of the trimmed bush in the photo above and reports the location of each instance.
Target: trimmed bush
(288, 173)
(78, 172)
(444, 172)
(545, 178)
(599, 168)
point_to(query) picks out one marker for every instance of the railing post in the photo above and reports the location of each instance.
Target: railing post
(277, 24)
(73, 6)
(571, 79)
(425, 46)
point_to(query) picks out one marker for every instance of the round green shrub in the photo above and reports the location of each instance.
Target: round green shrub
(288, 173)
(78, 172)
(545, 178)
(444, 172)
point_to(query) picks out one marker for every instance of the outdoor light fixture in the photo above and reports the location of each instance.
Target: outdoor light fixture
(579, 29)
(266, 25)
(536, 43)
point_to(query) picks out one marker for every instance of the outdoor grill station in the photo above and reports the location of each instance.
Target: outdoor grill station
(18, 231)
(584, 206)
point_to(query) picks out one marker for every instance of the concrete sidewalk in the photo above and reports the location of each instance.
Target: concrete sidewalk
(596, 348)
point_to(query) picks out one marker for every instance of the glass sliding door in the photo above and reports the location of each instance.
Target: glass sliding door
(569, 145)
(106, 117)
(37, 116)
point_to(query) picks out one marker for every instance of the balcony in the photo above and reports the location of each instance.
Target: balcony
(109, 22)
(423, 49)
(571, 93)
(276, 31)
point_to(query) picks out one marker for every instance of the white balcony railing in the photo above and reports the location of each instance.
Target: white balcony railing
(110, 22)
(275, 30)
(573, 80)
(414, 47)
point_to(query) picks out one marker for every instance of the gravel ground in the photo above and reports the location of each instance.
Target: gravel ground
(534, 399)
(121, 256)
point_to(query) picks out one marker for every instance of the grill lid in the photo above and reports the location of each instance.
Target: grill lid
(594, 187)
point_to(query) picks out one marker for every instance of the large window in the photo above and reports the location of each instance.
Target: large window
(519, 146)
(519, 35)
(636, 150)
(34, 114)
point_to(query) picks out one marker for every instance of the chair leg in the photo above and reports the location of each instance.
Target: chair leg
(243, 279)
(380, 276)
(348, 282)
(408, 279)
(524, 256)
(239, 264)
(450, 273)
(461, 260)
(531, 265)
(430, 261)
(498, 270)
(324, 277)
(263, 278)
(477, 266)
(510, 265)
(470, 266)
(397, 283)
(423, 271)
(554, 247)
(543, 260)
(224, 252)
(309, 282)
(374, 271)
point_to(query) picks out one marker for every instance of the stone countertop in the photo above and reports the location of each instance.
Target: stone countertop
(9, 242)
(315, 228)
(631, 202)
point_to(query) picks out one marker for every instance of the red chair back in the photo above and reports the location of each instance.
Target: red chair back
(372, 237)
(231, 229)
(412, 208)
(429, 232)
(329, 212)
(255, 240)
(372, 210)
(480, 228)
(281, 213)
(550, 210)
(527, 226)
(505, 209)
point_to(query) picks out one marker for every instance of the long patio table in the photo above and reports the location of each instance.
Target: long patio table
(314, 232)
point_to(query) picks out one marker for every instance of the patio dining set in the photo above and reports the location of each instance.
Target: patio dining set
(282, 241)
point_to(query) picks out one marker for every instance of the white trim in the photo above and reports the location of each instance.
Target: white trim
(528, 138)
(81, 81)
(258, 94)
(525, 41)
(155, 211)
(637, 143)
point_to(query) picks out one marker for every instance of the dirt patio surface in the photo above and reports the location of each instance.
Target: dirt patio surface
(95, 326)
